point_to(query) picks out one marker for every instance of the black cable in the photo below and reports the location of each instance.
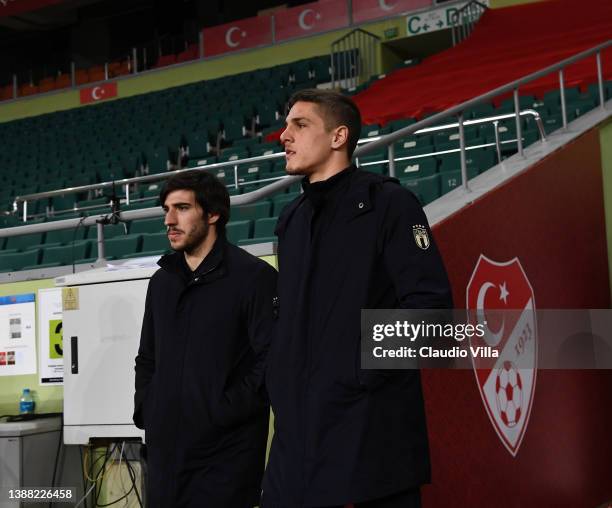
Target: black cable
(98, 490)
(83, 482)
(73, 240)
(132, 474)
(57, 454)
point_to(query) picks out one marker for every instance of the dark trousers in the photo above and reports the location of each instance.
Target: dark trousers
(406, 499)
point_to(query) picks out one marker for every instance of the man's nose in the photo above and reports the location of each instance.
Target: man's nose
(170, 218)
(284, 135)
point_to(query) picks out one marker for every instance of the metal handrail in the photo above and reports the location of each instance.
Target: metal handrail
(460, 31)
(493, 119)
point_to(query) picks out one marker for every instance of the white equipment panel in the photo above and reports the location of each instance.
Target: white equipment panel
(101, 336)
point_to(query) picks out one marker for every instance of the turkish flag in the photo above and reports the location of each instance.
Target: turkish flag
(364, 10)
(98, 93)
(245, 33)
(311, 18)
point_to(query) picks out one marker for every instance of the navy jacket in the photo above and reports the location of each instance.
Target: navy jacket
(343, 435)
(199, 379)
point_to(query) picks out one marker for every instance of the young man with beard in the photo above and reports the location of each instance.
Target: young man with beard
(199, 395)
(345, 435)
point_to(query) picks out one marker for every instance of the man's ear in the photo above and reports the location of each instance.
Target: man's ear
(213, 218)
(340, 137)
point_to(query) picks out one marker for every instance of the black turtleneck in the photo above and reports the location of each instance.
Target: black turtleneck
(324, 197)
(319, 193)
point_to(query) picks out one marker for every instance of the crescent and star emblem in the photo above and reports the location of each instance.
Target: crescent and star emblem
(302, 19)
(385, 6)
(492, 339)
(228, 37)
(96, 93)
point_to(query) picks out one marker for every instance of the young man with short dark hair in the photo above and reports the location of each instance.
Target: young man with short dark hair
(344, 435)
(199, 371)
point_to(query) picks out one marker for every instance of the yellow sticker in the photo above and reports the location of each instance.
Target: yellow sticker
(70, 299)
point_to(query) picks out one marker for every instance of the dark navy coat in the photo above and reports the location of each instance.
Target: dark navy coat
(342, 434)
(199, 379)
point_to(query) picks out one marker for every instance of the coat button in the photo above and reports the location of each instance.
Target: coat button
(361, 205)
(196, 279)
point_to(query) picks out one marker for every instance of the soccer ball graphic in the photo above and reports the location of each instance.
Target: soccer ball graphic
(509, 394)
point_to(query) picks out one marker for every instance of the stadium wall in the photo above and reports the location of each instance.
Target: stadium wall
(605, 141)
(551, 218)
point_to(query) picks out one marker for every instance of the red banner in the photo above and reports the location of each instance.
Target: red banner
(365, 10)
(13, 7)
(98, 93)
(310, 19)
(245, 33)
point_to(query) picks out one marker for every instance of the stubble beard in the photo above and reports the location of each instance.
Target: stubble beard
(193, 239)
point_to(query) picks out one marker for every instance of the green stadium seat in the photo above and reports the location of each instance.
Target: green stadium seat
(19, 260)
(64, 236)
(121, 246)
(254, 211)
(427, 189)
(396, 125)
(155, 225)
(65, 255)
(238, 230)
(110, 231)
(415, 168)
(412, 142)
(23, 242)
(263, 232)
(154, 244)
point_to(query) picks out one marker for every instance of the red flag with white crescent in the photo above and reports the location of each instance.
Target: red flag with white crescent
(98, 93)
(241, 34)
(311, 18)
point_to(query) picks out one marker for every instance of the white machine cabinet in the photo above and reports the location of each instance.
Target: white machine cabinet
(102, 319)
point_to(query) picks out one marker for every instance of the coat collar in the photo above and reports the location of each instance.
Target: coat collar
(213, 263)
(356, 201)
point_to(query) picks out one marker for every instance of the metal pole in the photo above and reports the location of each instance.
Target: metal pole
(101, 253)
(333, 67)
(25, 211)
(464, 176)
(344, 63)
(134, 61)
(391, 155)
(106, 71)
(236, 182)
(15, 86)
(127, 193)
(73, 74)
(562, 91)
(602, 98)
(358, 58)
(519, 132)
(497, 143)
(201, 44)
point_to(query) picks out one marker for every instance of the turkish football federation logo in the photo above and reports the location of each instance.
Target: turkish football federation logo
(507, 383)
